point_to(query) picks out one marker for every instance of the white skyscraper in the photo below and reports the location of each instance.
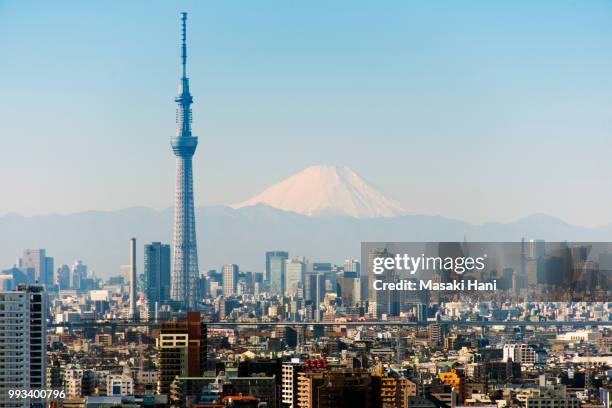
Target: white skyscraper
(23, 339)
(295, 270)
(230, 279)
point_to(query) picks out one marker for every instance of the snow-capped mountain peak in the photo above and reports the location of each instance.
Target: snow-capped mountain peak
(326, 190)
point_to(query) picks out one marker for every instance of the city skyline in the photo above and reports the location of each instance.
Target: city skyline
(510, 89)
(499, 350)
(339, 286)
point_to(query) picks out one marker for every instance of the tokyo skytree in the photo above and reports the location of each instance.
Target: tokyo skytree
(185, 273)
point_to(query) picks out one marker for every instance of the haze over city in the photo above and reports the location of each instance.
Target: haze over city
(480, 112)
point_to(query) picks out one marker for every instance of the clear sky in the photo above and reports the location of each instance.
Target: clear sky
(477, 110)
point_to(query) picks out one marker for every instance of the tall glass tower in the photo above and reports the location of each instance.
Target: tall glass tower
(185, 273)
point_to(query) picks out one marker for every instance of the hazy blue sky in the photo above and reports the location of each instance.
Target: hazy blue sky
(479, 110)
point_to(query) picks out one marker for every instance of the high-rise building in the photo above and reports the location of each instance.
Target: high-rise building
(330, 273)
(275, 270)
(537, 248)
(17, 277)
(352, 265)
(314, 292)
(134, 315)
(38, 335)
(289, 388)
(381, 302)
(78, 274)
(63, 277)
(348, 288)
(37, 266)
(435, 334)
(185, 274)
(182, 350)
(230, 279)
(157, 275)
(369, 276)
(49, 265)
(294, 276)
(23, 334)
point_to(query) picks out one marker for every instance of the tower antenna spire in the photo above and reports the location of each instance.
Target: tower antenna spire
(183, 45)
(184, 98)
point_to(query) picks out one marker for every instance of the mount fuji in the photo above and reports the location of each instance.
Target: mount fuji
(327, 191)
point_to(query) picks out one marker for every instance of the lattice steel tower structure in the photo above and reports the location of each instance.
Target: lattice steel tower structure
(185, 273)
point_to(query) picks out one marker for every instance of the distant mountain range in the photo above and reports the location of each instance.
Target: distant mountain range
(242, 235)
(323, 213)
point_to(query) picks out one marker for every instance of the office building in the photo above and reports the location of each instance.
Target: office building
(275, 271)
(314, 292)
(78, 275)
(294, 276)
(349, 288)
(230, 279)
(379, 301)
(327, 269)
(157, 275)
(134, 315)
(37, 266)
(63, 277)
(182, 350)
(352, 265)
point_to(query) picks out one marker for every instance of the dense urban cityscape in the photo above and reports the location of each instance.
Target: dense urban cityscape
(298, 333)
